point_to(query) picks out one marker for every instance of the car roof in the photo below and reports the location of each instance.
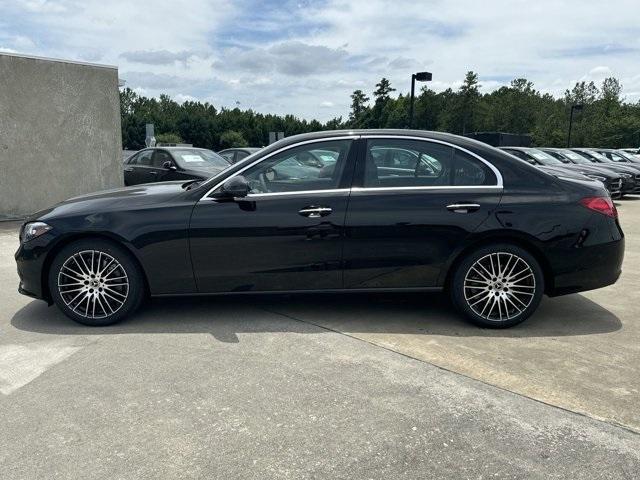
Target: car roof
(457, 140)
(175, 147)
(241, 149)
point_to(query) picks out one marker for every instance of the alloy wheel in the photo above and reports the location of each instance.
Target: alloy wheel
(499, 286)
(93, 284)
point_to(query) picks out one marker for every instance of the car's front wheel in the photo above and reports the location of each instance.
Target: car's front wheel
(497, 286)
(95, 282)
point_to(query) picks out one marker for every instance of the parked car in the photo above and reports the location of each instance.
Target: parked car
(612, 180)
(494, 232)
(164, 164)
(234, 155)
(630, 175)
(632, 157)
(633, 151)
(554, 166)
(624, 158)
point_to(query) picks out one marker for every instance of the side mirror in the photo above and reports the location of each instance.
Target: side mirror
(168, 165)
(235, 187)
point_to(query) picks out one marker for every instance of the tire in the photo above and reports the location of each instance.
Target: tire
(479, 291)
(114, 292)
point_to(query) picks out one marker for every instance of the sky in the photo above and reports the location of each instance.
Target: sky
(306, 57)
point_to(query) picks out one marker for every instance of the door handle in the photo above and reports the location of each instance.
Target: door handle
(129, 169)
(315, 212)
(153, 173)
(463, 207)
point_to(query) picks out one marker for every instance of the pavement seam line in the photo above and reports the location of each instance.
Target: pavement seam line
(445, 369)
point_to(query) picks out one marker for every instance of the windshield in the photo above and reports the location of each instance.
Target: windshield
(616, 157)
(543, 157)
(629, 156)
(598, 156)
(576, 157)
(188, 159)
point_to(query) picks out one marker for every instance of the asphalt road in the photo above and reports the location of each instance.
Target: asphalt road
(385, 386)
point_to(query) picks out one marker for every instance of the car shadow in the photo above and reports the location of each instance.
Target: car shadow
(421, 314)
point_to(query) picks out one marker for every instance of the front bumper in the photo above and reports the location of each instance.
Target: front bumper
(30, 261)
(629, 185)
(614, 187)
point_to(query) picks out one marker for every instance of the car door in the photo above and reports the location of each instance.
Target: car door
(287, 234)
(159, 172)
(137, 168)
(413, 204)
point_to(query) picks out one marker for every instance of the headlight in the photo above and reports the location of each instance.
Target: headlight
(625, 175)
(33, 230)
(597, 177)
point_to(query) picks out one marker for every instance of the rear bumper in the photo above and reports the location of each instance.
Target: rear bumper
(595, 267)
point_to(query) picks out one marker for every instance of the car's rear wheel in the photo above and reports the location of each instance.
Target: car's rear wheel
(95, 282)
(497, 286)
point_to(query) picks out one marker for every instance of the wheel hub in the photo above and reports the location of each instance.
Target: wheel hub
(93, 284)
(499, 286)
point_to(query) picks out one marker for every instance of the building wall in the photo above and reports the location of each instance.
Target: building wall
(59, 132)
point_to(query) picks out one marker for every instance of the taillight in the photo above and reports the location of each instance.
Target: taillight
(602, 205)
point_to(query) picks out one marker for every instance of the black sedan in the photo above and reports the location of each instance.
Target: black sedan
(164, 164)
(494, 232)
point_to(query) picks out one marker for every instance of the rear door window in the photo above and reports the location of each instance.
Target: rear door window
(393, 163)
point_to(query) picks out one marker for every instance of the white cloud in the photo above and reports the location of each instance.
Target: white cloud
(307, 57)
(159, 57)
(181, 98)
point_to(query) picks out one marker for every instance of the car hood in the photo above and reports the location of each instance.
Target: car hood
(112, 200)
(206, 171)
(588, 169)
(620, 168)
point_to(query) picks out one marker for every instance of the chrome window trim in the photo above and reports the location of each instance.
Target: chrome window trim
(499, 181)
(496, 172)
(299, 192)
(293, 145)
(436, 187)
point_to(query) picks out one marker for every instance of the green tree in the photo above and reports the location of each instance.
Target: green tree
(168, 138)
(607, 120)
(380, 110)
(231, 139)
(359, 109)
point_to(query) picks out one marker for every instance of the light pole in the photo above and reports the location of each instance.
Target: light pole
(577, 107)
(420, 77)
